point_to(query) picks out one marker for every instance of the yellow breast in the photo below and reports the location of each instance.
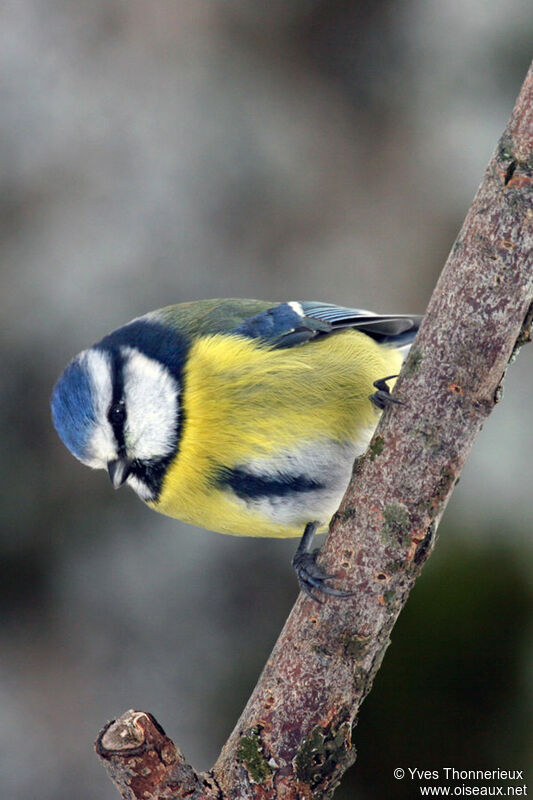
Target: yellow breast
(243, 401)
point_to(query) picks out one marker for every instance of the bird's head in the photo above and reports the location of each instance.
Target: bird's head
(117, 406)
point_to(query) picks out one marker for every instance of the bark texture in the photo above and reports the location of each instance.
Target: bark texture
(293, 739)
(144, 763)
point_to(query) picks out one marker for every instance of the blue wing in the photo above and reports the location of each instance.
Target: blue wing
(290, 324)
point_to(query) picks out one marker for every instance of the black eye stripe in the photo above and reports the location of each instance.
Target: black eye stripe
(117, 413)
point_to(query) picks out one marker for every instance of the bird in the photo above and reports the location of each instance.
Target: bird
(236, 415)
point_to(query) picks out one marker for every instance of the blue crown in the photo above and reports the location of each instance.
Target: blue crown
(73, 411)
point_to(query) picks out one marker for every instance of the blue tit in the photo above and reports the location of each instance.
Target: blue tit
(240, 416)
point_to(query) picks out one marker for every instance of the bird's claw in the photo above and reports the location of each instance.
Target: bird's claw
(382, 397)
(312, 579)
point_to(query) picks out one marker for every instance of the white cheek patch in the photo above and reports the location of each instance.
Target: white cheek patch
(151, 395)
(102, 446)
(140, 488)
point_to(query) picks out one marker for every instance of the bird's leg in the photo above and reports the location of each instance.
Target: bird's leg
(382, 398)
(311, 578)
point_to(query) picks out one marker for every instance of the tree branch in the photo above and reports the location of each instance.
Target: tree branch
(293, 739)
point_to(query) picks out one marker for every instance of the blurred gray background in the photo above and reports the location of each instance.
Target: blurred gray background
(155, 151)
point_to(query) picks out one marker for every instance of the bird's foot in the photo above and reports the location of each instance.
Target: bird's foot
(382, 397)
(312, 578)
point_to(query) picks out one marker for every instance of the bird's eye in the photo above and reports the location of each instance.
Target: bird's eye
(117, 413)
